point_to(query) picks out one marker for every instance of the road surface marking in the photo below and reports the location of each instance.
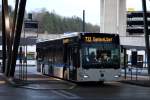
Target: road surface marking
(2, 82)
(66, 94)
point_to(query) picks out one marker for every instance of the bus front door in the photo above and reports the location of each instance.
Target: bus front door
(74, 62)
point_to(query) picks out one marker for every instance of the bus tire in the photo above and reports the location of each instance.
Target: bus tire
(43, 69)
(101, 82)
(65, 75)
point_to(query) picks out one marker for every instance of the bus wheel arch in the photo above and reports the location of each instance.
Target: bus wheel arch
(101, 82)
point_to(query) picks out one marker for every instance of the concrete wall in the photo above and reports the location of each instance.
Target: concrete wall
(113, 20)
(113, 16)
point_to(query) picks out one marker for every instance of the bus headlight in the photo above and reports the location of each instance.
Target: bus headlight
(116, 76)
(85, 76)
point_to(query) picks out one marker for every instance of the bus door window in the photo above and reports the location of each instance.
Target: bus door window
(70, 62)
(76, 57)
(74, 62)
(70, 59)
(39, 61)
(67, 57)
(50, 61)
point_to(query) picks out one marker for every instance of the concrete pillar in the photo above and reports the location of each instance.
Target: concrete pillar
(122, 18)
(113, 16)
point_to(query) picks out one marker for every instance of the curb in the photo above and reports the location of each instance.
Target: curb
(14, 82)
(26, 84)
(138, 83)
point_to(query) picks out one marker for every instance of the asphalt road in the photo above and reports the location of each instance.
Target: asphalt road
(113, 91)
(108, 91)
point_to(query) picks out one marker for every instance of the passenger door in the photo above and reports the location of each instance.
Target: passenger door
(73, 61)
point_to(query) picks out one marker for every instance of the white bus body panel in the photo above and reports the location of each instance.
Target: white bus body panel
(46, 69)
(58, 72)
(98, 75)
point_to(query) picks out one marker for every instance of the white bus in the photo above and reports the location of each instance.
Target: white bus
(81, 57)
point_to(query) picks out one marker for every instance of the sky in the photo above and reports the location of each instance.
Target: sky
(70, 8)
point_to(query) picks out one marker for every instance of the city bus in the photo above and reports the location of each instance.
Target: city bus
(80, 57)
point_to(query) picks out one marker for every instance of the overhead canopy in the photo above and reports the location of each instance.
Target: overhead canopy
(134, 47)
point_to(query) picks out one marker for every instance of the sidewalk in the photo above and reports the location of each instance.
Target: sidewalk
(37, 81)
(141, 80)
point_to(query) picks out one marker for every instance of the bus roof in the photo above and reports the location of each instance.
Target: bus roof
(70, 34)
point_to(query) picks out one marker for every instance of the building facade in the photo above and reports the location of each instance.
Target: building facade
(129, 25)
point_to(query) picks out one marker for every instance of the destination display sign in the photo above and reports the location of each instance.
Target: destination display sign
(97, 39)
(92, 38)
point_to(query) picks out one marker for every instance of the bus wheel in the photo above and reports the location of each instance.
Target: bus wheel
(43, 69)
(65, 75)
(101, 82)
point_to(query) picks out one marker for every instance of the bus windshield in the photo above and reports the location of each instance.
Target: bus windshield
(100, 56)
